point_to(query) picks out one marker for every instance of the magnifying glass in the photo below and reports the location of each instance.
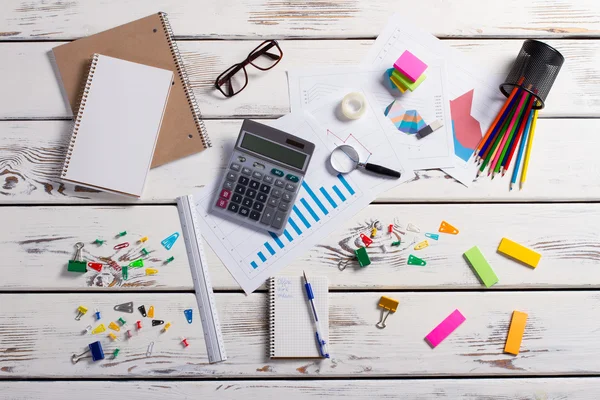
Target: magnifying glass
(344, 159)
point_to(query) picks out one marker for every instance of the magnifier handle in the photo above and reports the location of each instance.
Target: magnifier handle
(378, 169)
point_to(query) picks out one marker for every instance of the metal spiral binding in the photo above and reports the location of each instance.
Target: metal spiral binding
(85, 90)
(186, 82)
(272, 316)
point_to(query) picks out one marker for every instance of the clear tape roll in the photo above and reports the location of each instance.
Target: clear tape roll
(354, 105)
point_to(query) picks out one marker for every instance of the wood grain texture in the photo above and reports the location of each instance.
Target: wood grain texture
(438, 389)
(311, 19)
(35, 255)
(27, 73)
(558, 339)
(32, 153)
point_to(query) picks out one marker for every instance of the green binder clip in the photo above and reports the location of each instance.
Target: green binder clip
(362, 256)
(412, 260)
(77, 264)
(139, 263)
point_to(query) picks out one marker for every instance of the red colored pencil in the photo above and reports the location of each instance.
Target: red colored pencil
(508, 158)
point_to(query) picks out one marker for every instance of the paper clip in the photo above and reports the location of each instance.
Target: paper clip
(170, 241)
(77, 264)
(99, 329)
(97, 314)
(447, 228)
(125, 271)
(156, 322)
(121, 246)
(121, 321)
(95, 266)
(139, 263)
(396, 244)
(114, 326)
(121, 234)
(151, 271)
(151, 312)
(170, 259)
(362, 256)
(96, 353)
(99, 242)
(411, 227)
(144, 252)
(115, 353)
(433, 236)
(390, 228)
(143, 240)
(422, 245)
(125, 307)
(343, 264)
(81, 310)
(166, 327)
(150, 348)
(138, 324)
(113, 336)
(87, 329)
(412, 260)
(142, 310)
(389, 304)
(184, 342)
(373, 232)
(188, 315)
(365, 239)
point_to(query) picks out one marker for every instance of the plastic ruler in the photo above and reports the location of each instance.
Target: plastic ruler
(204, 293)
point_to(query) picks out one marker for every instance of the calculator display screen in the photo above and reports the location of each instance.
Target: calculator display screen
(273, 150)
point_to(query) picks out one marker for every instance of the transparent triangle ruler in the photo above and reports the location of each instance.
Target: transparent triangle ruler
(204, 293)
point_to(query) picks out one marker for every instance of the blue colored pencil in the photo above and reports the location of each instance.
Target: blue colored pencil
(501, 121)
(515, 173)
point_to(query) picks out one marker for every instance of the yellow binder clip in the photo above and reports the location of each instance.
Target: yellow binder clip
(422, 245)
(81, 310)
(389, 304)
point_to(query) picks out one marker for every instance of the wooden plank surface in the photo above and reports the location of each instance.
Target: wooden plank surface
(42, 20)
(439, 389)
(39, 334)
(563, 168)
(44, 243)
(28, 74)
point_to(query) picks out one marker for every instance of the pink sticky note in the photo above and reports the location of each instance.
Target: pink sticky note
(410, 66)
(445, 328)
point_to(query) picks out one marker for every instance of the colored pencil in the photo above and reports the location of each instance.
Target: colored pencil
(528, 152)
(515, 142)
(487, 156)
(505, 138)
(511, 136)
(500, 113)
(497, 128)
(515, 174)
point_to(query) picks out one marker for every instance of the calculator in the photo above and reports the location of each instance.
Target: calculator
(263, 177)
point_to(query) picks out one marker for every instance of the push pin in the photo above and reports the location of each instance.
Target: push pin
(365, 239)
(151, 271)
(129, 334)
(389, 304)
(166, 327)
(87, 329)
(99, 242)
(115, 353)
(396, 244)
(77, 264)
(138, 324)
(184, 342)
(96, 351)
(97, 314)
(81, 310)
(144, 252)
(390, 228)
(121, 234)
(143, 240)
(122, 321)
(170, 259)
(113, 336)
(139, 263)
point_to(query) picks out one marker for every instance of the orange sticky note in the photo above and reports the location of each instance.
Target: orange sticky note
(515, 333)
(447, 228)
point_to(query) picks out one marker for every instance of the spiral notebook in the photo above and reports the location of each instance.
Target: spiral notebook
(292, 328)
(116, 126)
(146, 41)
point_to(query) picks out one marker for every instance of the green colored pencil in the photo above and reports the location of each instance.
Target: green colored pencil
(490, 150)
(512, 133)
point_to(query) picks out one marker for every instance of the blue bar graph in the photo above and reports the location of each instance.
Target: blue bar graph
(268, 246)
(328, 197)
(287, 234)
(293, 224)
(276, 239)
(301, 216)
(309, 209)
(315, 198)
(346, 184)
(261, 256)
(254, 265)
(339, 193)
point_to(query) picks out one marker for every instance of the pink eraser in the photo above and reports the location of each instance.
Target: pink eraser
(445, 328)
(410, 66)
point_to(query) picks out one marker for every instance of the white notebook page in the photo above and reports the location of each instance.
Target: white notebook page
(294, 330)
(119, 127)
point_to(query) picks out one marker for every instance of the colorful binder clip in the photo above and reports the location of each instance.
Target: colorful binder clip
(170, 241)
(142, 310)
(121, 234)
(97, 314)
(99, 329)
(362, 256)
(143, 239)
(433, 236)
(188, 315)
(81, 310)
(113, 336)
(365, 239)
(114, 326)
(170, 259)
(184, 342)
(96, 353)
(156, 322)
(151, 312)
(77, 264)
(95, 266)
(151, 271)
(422, 245)
(99, 242)
(373, 232)
(166, 327)
(121, 246)
(387, 304)
(125, 272)
(411, 227)
(144, 252)
(139, 263)
(396, 244)
(125, 307)
(138, 324)
(447, 228)
(121, 321)
(115, 353)
(390, 228)
(412, 260)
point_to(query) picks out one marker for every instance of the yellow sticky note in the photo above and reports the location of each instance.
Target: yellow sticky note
(398, 84)
(515, 333)
(519, 252)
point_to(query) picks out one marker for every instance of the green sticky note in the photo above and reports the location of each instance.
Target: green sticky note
(482, 268)
(407, 83)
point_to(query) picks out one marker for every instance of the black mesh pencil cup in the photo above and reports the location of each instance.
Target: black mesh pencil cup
(534, 70)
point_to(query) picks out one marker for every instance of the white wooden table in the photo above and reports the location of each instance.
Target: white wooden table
(557, 214)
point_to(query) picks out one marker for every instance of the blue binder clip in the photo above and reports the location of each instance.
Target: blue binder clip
(170, 241)
(95, 348)
(188, 315)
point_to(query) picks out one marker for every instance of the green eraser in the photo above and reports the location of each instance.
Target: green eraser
(482, 268)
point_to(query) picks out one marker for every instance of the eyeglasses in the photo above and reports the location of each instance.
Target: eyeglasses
(235, 78)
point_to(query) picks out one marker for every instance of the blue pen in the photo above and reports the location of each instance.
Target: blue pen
(320, 339)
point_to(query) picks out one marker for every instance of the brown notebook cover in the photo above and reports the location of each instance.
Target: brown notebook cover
(146, 41)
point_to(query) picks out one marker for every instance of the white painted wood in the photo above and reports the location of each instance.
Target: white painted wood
(39, 335)
(563, 168)
(451, 389)
(28, 74)
(313, 19)
(35, 255)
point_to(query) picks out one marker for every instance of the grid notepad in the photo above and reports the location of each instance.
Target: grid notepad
(292, 327)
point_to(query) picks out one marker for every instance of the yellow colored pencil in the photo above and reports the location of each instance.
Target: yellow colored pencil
(528, 151)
